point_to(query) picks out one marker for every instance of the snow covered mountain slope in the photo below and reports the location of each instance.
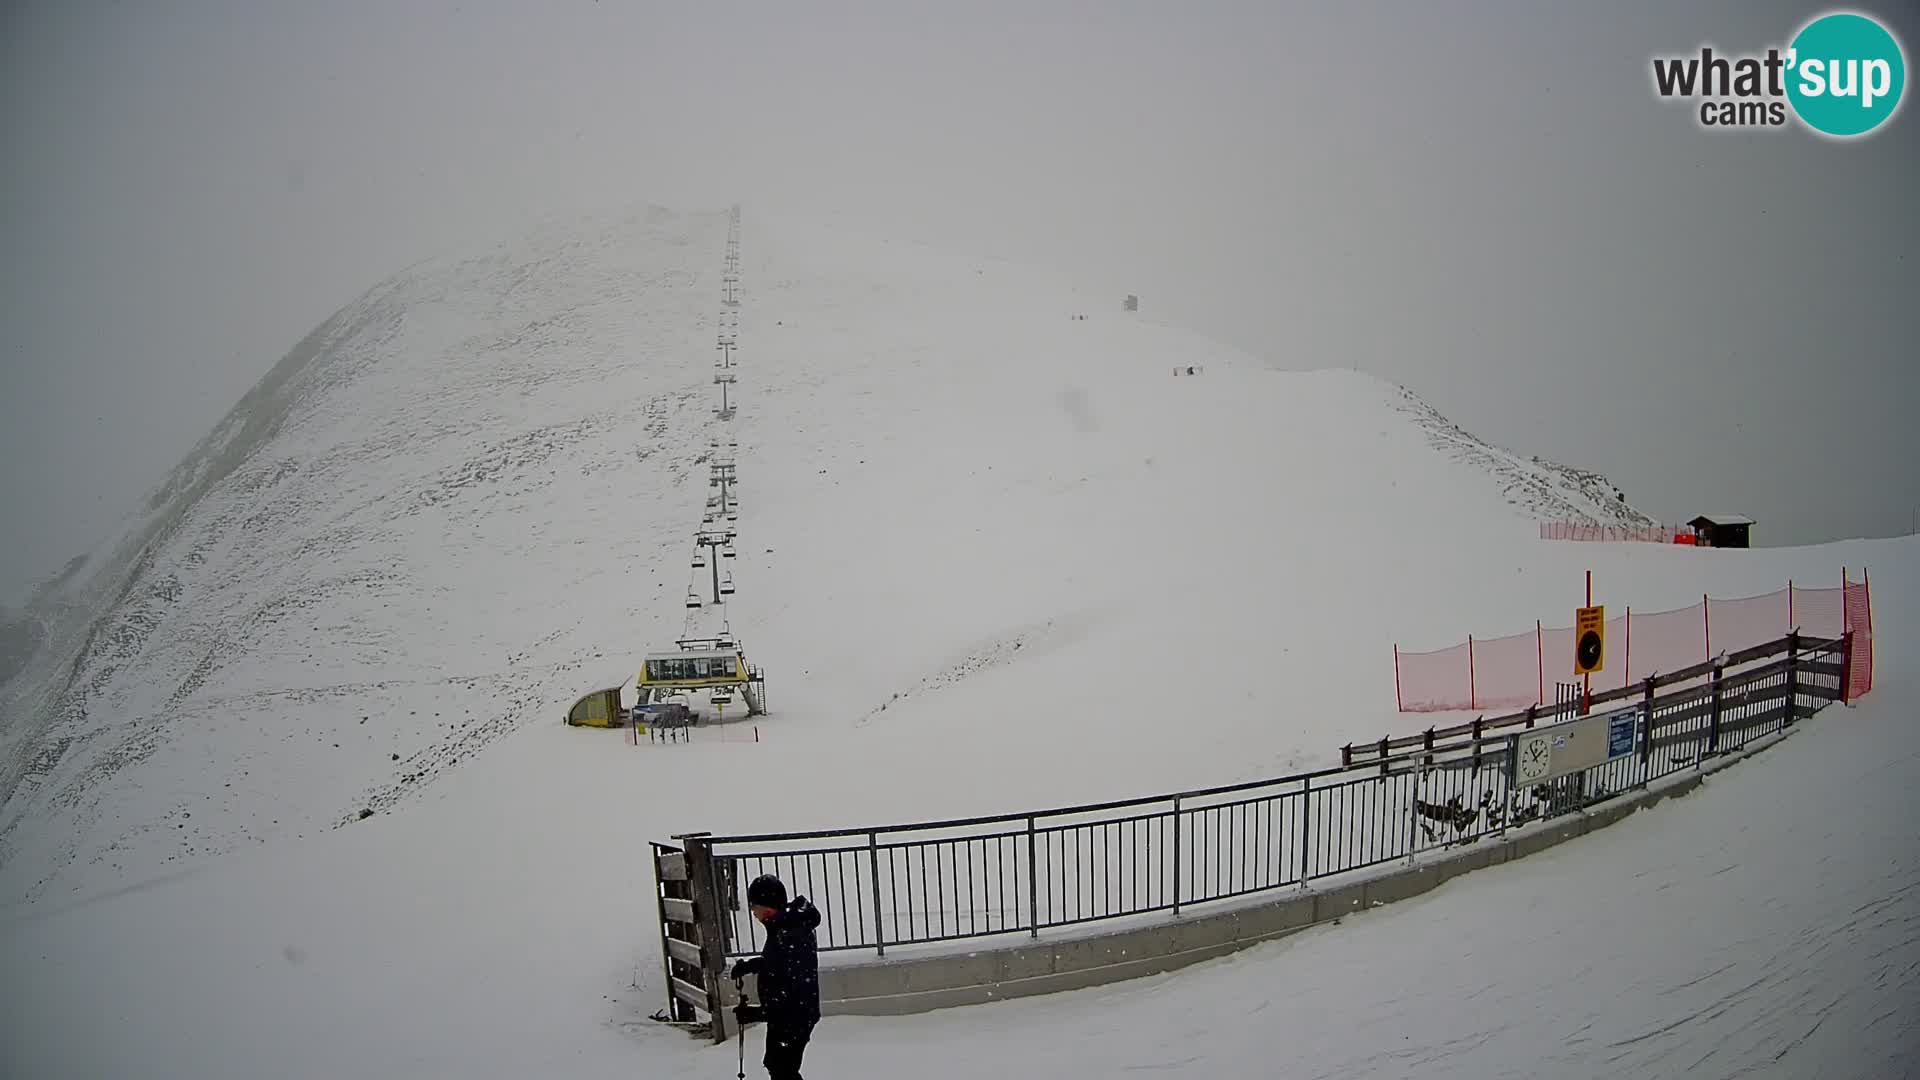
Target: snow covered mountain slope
(319, 586)
(970, 521)
(992, 556)
(1546, 489)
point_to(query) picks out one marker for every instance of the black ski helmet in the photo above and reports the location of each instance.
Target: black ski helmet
(766, 891)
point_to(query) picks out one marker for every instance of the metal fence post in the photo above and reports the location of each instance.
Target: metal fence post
(1846, 663)
(1033, 883)
(1793, 679)
(1413, 817)
(1646, 734)
(1713, 720)
(1176, 854)
(1306, 834)
(873, 868)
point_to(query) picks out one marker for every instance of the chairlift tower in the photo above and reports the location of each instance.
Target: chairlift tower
(722, 476)
(718, 541)
(725, 380)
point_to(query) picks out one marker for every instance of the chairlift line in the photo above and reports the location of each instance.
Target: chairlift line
(716, 533)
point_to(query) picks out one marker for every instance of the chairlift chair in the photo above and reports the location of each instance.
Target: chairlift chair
(699, 560)
(728, 553)
(693, 598)
(726, 584)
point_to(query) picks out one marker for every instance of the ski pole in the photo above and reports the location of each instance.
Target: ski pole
(740, 998)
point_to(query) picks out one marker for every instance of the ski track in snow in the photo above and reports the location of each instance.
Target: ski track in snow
(1021, 644)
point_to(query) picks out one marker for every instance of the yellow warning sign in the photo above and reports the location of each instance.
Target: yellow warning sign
(1589, 640)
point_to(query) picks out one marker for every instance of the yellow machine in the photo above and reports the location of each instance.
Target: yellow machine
(598, 709)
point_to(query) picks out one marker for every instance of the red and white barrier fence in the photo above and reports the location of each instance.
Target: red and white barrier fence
(1515, 671)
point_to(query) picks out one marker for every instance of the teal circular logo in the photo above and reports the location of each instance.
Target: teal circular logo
(1845, 74)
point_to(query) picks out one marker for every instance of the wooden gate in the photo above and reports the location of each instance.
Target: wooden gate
(693, 934)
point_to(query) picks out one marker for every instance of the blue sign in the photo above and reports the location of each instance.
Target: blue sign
(1620, 732)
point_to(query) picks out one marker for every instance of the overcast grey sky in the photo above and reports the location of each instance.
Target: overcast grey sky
(1482, 200)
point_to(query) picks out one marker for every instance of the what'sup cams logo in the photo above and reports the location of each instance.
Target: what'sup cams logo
(1842, 76)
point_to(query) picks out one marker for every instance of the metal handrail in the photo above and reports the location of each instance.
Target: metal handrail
(1416, 742)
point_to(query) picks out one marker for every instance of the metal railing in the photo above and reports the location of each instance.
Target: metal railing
(911, 884)
(1481, 727)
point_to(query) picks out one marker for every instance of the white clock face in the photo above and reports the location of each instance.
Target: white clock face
(1536, 756)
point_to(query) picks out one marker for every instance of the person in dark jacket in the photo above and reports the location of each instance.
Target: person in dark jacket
(789, 975)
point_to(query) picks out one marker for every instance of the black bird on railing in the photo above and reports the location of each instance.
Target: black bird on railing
(1452, 812)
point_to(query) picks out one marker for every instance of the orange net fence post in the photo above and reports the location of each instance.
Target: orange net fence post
(1507, 672)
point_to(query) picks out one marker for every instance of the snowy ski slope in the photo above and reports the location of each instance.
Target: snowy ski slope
(992, 557)
(968, 518)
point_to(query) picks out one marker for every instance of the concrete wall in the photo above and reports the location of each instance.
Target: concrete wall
(1022, 966)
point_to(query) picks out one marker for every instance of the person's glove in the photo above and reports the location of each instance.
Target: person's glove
(747, 1014)
(741, 969)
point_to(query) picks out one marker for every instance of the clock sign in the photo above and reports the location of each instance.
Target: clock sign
(1590, 640)
(1533, 757)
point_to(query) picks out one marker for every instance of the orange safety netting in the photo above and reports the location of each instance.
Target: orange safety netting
(1520, 670)
(1859, 619)
(1645, 534)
